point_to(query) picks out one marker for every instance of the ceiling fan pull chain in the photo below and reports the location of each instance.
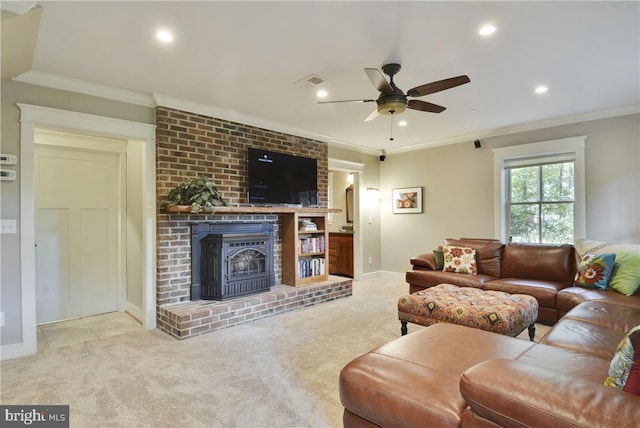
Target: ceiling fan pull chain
(391, 130)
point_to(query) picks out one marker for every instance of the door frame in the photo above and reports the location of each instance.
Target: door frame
(34, 117)
(356, 168)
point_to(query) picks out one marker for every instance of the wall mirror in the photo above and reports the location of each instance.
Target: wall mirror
(349, 209)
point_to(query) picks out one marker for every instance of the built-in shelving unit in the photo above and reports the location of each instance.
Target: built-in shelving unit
(305, 244)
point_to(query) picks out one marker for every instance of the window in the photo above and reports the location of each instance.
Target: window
(540, 200)
(540, 191)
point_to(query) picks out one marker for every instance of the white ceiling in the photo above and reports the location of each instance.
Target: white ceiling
(244, 59)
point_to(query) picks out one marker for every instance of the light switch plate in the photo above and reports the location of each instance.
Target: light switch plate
(8, 226)
(8, 159)
(7, 175)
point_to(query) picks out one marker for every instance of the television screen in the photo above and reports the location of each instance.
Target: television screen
(279, 178)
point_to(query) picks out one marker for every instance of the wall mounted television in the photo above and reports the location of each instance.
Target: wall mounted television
(281, 179)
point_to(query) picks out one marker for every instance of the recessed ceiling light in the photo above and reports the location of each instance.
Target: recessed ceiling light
(541, 89)
(487, 29)
(322, 93)
(402, 123)
(164, 36)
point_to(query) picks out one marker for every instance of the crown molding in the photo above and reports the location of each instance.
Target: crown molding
(522, 127)
(57, 81)
(353, 147)
(18, 7)
(343, 165)
(207, 110)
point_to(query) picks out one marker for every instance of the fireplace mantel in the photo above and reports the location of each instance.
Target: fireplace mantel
(258, 210)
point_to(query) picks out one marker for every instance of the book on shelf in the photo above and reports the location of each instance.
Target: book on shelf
(306, 225)
(311, 267)
(311, 245)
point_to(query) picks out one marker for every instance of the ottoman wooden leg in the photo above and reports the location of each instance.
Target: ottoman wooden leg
(403, 327)
(532, 331)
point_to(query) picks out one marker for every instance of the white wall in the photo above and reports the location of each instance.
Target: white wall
(458, 188)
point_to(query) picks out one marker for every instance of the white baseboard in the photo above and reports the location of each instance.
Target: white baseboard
(135, 311)
(396, 276)
(16, 350)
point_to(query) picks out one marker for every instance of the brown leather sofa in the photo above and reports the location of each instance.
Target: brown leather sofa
(449, 375)
(543, 271)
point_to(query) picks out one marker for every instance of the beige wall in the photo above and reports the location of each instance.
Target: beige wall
(11, 93)
(458, 188)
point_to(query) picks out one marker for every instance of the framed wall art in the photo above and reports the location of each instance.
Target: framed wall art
(407, 200)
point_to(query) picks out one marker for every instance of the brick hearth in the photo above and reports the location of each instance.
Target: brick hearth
(191, 319)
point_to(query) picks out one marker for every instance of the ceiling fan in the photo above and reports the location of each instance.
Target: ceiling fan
(393, 101)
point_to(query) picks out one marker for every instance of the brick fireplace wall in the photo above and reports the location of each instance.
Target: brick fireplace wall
(189, 145)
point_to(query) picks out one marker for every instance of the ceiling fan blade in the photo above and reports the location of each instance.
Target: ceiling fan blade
(346, 101)
(372, 115)
(378, 80)
(425, 106)
(440, 85)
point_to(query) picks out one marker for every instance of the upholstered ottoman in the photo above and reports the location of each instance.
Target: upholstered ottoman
(495, 311)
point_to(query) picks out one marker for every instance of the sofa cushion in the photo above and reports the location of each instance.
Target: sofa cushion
(576, 365)
(584, 338)
(488, 253)
(606, 314)
(544, 262)
(595, 270)
(420, 279)
(544, 291)
(459, 260)
(626, 273)
(570, 297)
(414, 380)
(624, 359)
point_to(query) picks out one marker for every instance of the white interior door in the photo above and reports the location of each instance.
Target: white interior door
(76, 219)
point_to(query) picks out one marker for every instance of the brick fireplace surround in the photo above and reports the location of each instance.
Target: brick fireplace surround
(188, 145)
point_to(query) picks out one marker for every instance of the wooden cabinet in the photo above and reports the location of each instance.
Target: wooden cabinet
(304, 249)
(341, 254)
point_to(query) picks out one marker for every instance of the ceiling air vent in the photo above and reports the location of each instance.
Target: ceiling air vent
(310, 81)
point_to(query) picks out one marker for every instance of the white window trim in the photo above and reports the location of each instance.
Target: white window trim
(575, 145)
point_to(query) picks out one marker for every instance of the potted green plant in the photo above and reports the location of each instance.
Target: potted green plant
(200, 194)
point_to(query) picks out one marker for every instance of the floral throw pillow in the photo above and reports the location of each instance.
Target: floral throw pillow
(460, 260)
(595, 270)
(625, 358)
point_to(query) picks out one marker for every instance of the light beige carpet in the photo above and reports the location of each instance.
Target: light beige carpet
(276, 372)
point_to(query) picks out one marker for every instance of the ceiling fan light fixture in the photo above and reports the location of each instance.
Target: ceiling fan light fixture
(392, 107)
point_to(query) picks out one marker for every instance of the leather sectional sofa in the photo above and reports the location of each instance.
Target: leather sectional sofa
(545, 272)
(449, 375)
